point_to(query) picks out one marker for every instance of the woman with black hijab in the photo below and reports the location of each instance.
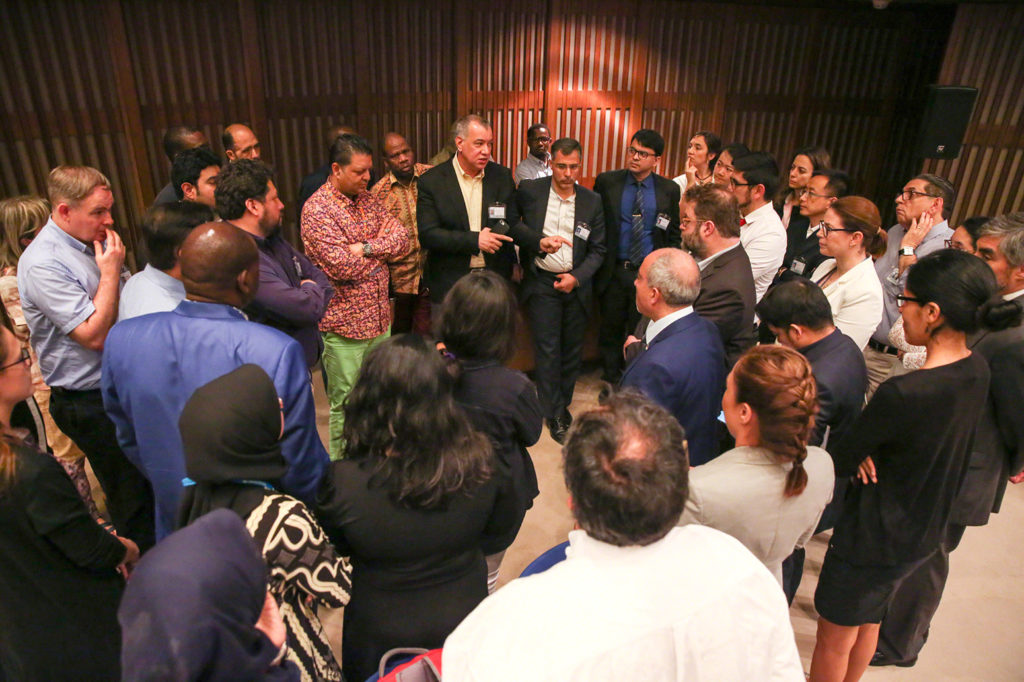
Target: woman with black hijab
(197, 609)
(230, 430)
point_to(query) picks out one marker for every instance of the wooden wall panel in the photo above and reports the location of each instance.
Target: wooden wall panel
(985, 53)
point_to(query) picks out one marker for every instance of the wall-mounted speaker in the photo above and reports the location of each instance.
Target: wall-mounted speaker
(947, 112)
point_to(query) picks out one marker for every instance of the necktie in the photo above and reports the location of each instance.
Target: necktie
(636, 243)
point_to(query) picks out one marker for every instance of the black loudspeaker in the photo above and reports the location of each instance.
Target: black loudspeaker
(947, 112)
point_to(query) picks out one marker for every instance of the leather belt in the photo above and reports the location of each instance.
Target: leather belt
(882, 348)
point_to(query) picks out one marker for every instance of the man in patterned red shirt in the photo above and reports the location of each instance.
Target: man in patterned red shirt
(350, 235)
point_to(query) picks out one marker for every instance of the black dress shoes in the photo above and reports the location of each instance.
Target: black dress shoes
(559, 426)
(880, 659)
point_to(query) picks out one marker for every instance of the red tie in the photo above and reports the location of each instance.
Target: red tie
(743, 221)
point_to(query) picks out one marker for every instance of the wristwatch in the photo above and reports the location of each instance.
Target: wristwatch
(907, 251)
(367, 250)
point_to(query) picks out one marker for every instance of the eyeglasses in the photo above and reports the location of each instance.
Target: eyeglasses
(541, 139)
(24, 357)
(826, 228)
(686, 221)
(956, 246)
(640, 154)
(901, 300)
(734, 184)
(909, 194)
(811, 193)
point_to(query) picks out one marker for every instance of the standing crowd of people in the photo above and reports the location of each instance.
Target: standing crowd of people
(777, 364)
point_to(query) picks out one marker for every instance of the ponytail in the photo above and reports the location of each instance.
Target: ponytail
(996, 314)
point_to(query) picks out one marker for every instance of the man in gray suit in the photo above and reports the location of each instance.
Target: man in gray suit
(998, 451)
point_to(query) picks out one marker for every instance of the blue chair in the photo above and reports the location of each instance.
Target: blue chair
(546, 560)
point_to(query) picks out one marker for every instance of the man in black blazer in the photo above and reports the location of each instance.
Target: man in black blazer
(710, 227)
(557, 287)
(998, 451)
(802, 252)
(799, 315)
(464, 210)
(635, 226)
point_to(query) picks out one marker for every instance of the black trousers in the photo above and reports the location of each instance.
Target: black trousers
(557, 322)
(81, 416)
(905, 626)
(619, 318)
(793, 565)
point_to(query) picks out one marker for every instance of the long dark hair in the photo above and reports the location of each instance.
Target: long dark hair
(8, 457)
(965, 290)
(820, 160)
(479, 317)
(402, 416)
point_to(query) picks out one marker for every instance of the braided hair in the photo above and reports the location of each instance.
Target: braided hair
(778, 385)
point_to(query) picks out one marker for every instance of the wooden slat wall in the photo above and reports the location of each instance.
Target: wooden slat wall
(985, 52)
(776, 77)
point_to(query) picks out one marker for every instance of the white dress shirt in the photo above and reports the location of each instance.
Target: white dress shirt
(740, 492)
(856, 299)
(695, 605)
(655, 327)
(559, 221)
(149, 291)
(764, 239)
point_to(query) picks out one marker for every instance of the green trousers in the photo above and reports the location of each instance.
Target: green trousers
(342, 359)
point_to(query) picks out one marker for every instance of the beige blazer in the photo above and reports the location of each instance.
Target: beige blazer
(740, 493)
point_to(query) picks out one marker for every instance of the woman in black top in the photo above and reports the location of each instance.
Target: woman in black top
(59, 582)
(478, 330)
(910, 450)
(414, 504)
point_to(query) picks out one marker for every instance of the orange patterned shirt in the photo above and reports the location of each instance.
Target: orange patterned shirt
(331, 222)
(400, 199)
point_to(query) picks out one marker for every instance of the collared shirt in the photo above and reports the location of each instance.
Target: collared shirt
(145, 391)
(58, 278)
(559, 221)
(658, 326)
(531, 168)
(764, 239)
(407, 270)
(710, 259)
(680, 608)
(1013, 294)
(149, 291)
(472, 187)
(626, 217)
(293, 294)
(893, 282)
(331, 223)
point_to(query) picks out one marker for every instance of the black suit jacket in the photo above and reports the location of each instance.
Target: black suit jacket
(587, 254)
(727, 298)
(443, 225)
(799, 245)
(610, 185)
(842, 379)
(999, 441)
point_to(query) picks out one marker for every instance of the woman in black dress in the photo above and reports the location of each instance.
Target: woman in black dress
(478, 330)
(910, 449)
(414, 503)
(59, 582)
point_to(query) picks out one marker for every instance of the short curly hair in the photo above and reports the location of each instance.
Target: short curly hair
(238, 182)
(188, 165)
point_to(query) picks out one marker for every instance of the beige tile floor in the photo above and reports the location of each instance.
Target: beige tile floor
(977, 634)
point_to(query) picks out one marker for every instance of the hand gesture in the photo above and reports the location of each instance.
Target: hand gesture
(630, 340)
(110, 258)
(553, 244)
(270, 622)
(919, 228)
(866, 471)
(490, 242)
(131, 556)
(691, 173)
(565, 282)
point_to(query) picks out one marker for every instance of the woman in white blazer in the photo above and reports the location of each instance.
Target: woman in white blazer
(851, 234)
(770, 490)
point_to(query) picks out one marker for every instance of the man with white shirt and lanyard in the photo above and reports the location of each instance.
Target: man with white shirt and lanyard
(922, 209)
(557, 287)
(754, 181)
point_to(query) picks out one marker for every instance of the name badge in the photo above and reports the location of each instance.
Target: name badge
(496, 212)
(298, 267)
(582, 231)
(894, 277)
(798, 266)
(662, 222)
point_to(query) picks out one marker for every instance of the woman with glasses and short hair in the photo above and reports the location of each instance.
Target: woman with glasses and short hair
(850, 235)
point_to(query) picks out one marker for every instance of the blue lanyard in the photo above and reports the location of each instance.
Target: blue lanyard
(188, 482)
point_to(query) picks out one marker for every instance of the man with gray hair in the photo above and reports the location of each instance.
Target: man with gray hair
(682, 364)
(997, 455)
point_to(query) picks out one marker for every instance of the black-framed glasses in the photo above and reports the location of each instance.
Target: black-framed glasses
(826, 228)
(23, 357)
(955, 245)
(733, 183)
(909, 194)
(638, 153)
(810, 192)
(901, 300)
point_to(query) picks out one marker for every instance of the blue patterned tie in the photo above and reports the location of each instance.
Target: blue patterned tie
(636, 242)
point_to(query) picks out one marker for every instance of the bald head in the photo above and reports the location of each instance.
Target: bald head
(240, 142)
(220, 264)
(668, 280)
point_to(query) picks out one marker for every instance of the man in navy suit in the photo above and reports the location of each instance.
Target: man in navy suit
(683, 365)
(463, 211)
(641, 213)
(557, 287)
